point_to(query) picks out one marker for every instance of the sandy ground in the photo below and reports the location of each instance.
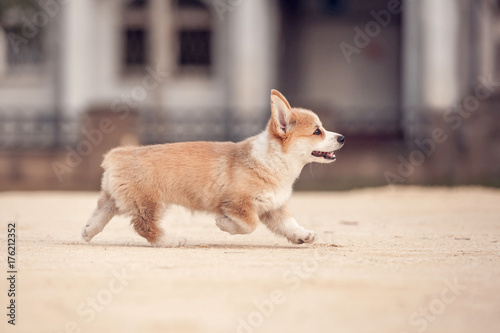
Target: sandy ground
(405, 259)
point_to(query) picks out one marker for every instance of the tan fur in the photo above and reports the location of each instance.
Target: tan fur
(241, 183)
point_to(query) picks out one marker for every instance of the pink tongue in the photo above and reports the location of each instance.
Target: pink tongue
(330, 154)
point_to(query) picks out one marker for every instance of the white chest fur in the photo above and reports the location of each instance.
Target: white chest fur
(269, 154)
(270, 200)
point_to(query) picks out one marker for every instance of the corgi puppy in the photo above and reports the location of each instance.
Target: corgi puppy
(240, 183)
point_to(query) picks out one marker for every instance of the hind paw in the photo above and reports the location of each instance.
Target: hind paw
(86, 234)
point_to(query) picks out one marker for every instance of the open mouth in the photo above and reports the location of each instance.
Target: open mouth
(326, 155)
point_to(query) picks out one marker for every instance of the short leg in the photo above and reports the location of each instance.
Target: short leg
(282, 223)
(147, 228)
(239, 218)
(146, 223)
(105, 210)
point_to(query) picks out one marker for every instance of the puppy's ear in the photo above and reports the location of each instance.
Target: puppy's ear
(281, 114)
(280, 95)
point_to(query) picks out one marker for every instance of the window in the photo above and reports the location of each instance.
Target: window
(135, 35)
(496, 29)
(135, 47)
(23, 51)
(137, 3)
(194, 35)
(191, 33)
(22, 36)
(194, 48)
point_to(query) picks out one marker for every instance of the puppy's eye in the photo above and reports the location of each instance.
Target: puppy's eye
(317, 132)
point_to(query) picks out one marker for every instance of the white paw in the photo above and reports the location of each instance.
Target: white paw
(226, 224)
(302, 236)
(87, 234)
(170, 242)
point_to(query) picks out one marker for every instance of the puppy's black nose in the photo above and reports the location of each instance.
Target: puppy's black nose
(340, 139)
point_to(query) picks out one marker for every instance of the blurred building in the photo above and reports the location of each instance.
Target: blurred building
(413, 85)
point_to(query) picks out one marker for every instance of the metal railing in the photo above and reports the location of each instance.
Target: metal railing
(29, 128)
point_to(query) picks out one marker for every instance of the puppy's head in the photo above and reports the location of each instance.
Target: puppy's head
(301, 133)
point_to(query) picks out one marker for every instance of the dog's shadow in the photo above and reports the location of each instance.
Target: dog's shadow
(204, 246)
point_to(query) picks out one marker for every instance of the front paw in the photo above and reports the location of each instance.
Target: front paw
(302, 236)
(171, 241)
